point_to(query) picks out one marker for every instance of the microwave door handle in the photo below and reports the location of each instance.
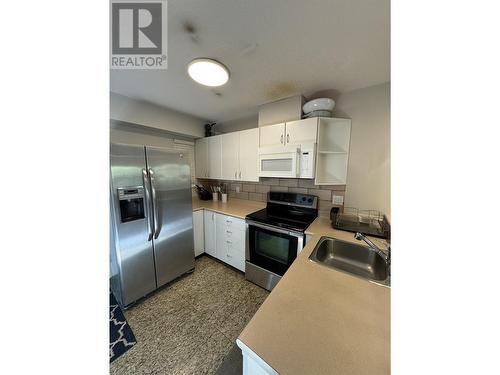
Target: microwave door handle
(155, 204)
(147, 203)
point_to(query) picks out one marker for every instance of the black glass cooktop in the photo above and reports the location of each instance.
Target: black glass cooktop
(291, 221)
(287, 218)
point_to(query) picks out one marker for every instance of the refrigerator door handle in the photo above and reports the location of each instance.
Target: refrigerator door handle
(155, 204)
(145, 181)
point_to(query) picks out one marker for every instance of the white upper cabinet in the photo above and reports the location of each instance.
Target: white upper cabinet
(214, 157)
(240, 155)
(201, 157)
(208, 157)
(230, 156)
(249, 155)
(301, 131)
(272, 135)
(290, 133)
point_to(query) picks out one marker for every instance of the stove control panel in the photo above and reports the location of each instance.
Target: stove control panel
(295, 199)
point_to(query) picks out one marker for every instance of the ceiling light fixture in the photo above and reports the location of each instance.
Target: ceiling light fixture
(208, 72)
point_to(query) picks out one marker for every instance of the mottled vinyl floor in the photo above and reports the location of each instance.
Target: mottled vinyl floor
(189, 326)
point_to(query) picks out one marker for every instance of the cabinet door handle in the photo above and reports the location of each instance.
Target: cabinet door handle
(281, 139)
(288, 138)
(229, 242)
(235, 174)
(228, 231)
(240, 175)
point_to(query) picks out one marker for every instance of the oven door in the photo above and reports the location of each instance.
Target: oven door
(271, 248)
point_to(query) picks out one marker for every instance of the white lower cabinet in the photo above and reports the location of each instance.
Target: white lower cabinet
(252, 363)
(225, 238)
(198, 232)
(230, 241)
(209, 224)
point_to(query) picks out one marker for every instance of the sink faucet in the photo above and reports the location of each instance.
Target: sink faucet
(385, 256)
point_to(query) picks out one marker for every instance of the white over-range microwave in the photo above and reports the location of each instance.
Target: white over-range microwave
(292, 161)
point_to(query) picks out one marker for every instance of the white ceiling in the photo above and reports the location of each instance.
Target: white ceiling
(273, 49)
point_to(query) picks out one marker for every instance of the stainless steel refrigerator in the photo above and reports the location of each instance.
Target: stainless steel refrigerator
(151, 220)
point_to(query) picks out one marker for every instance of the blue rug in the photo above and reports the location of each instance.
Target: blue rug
(121, 337)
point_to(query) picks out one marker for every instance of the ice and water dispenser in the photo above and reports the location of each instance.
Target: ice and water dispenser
(131, 203)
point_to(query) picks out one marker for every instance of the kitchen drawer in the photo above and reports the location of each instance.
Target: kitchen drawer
(233, 223)
(230, 235)
(235, 252)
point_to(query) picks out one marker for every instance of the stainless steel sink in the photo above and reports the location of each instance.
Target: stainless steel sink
(354, 259)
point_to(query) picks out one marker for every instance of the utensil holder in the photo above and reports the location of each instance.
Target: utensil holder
(215, 197)
(224, 197)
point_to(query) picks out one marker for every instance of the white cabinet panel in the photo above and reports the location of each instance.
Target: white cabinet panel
(220, 221)
(249, 155)
(214, 157)
(302, 131)
(231, 156)
(210, 232)
(230, 241)
(236, 250)
(201, 157)
(272, 135)
(199, 232)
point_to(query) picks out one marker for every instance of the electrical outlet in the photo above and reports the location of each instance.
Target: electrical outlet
(338, 199)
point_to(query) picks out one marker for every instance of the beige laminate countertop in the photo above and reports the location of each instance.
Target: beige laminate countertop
(234, 207)
(321, 321)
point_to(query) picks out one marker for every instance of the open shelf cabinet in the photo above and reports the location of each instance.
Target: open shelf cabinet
(334, 136)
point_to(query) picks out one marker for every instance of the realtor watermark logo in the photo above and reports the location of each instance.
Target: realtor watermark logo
(138, 34)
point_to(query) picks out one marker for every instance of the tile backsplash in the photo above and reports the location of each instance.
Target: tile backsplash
(257, 191)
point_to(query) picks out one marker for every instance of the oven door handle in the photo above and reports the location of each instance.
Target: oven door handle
(274, 229)
(147, 202)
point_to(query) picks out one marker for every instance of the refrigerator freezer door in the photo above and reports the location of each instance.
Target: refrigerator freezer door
(133, 251)
(172, 200)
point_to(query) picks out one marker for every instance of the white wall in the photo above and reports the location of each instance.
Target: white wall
(369, 174)
(134, 111)
(238, 124)
(138, 135)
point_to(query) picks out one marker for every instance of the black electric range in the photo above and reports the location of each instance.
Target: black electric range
(275, 236)
(291, 211)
